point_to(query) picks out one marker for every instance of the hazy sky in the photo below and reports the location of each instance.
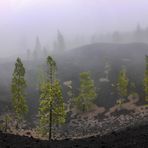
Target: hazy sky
(24, 19)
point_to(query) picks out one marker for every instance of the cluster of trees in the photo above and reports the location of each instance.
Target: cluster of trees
(40, 52)
(140, 34)
(52, 111)
(52, 108)
(124, 84)
(59, 44)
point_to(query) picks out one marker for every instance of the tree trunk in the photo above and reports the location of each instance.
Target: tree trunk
(6, 124)
(50, 124)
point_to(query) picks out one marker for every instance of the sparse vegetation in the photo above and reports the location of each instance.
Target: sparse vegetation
(72, 70)
(77, 107)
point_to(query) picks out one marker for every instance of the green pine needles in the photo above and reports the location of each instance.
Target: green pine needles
(51, 110)
(87, 93)
(17, 87)
(122, 84)
(146, 79)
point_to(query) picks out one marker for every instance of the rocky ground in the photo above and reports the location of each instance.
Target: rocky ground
(101, 121)
(134, 136)
(116, 127)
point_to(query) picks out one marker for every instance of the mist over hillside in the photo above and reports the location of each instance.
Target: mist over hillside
(74, 72)
(93, 58)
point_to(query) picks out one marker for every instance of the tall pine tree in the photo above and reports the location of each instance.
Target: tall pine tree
(37, 53)
(51, 110)
(60, 42)
(18, 87)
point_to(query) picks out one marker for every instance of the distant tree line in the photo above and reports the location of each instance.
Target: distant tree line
(40, 52)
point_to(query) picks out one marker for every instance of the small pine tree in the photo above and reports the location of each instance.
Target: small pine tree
(6, 122)
(17, 87)
(51, 110)
(146, 79)
(37, 49)
(122, 84)
(87, 92)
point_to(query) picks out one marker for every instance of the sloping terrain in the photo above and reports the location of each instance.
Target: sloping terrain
(91, 58)
(127, 127)
(136, 137)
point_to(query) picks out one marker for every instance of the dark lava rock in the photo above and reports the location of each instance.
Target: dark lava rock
(136, 137)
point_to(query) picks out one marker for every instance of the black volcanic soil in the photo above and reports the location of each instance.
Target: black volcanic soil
(136, 137)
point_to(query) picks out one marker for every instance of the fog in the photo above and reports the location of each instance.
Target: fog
(22, 20)
(73, 69)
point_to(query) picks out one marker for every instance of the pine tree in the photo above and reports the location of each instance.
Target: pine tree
(41, 76)
(87, 92)
(122, 84)
(138, 33)
(17, 87)
(51, 110)
(37, 49)
(60, 41)
(146, 79)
